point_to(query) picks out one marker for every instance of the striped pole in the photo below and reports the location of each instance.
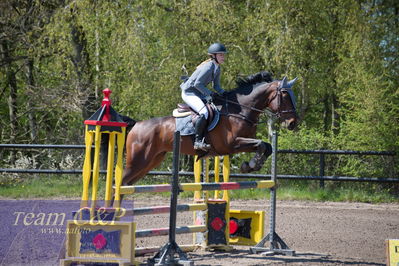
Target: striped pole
(165, 209)
(140, 251)
(165, 231)
(198, 186)
(226, 185)
(145, 189)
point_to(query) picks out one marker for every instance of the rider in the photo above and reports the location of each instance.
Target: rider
(194, 90)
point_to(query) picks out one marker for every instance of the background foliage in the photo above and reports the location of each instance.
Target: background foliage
(56, 56)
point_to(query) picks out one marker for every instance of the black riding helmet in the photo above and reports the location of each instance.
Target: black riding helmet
(217, 48)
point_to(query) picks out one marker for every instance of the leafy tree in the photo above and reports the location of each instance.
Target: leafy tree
(57, 56)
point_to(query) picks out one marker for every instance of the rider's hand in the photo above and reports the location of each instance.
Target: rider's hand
(208, 98)
(214, 95)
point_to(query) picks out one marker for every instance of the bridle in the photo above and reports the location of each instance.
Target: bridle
(279, 96)
(267, 112)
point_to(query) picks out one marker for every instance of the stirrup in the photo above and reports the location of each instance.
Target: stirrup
(200, 145)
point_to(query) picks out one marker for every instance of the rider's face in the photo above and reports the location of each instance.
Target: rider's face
(220, 58)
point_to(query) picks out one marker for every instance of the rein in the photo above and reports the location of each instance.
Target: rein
(243, 117)
(266, 111)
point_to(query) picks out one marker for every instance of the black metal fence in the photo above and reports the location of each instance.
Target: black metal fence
(321, 153)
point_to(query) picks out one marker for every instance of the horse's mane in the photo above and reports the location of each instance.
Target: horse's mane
(259, 77)
(245, 84)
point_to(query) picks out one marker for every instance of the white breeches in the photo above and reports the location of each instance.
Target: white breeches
(196, 104)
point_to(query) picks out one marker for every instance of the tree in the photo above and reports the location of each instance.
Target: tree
(21, 25)
(57, 56)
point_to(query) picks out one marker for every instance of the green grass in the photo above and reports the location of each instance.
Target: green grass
(336, 195)
(44, 187)
(47, 186)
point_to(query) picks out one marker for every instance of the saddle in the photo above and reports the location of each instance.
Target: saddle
(184, 110)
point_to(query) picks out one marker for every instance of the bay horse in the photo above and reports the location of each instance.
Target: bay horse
(149, 140)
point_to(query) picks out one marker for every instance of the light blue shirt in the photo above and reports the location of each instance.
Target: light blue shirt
(204, 74)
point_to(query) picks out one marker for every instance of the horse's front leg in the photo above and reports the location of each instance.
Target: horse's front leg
(262, 149)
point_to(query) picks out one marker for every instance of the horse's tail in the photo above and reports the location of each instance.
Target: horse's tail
(130, 122)
(105, 139)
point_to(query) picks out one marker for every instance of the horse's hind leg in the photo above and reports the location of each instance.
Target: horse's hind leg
(139, 167)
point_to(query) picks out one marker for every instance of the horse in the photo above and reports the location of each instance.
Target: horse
(150, 140)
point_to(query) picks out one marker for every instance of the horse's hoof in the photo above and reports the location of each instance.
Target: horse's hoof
(252, 164)
(257, 168)
(245, 167)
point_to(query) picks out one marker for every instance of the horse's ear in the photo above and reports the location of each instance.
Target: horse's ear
(283, 82)
(290, 83)
(287, 84)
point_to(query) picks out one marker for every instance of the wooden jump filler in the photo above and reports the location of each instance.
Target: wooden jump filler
(225, 226)
(93, 235)
(392, 250)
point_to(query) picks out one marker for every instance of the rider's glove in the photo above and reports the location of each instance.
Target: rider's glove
(208, 98)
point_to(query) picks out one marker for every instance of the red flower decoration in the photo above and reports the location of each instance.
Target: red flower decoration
(233, 227)
(217, 224)
(99, 241)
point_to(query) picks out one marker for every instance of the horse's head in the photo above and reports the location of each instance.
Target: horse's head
(283, 104)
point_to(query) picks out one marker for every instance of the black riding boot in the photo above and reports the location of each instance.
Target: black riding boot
(199, 143)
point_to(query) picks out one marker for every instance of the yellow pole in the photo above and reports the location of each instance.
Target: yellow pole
(226, 197)
(206, 178)
(96, 169)
(226, 176)
(217, 172)
(87, 168)
(197, 176)
(198, 215)
(110, 166)
(119, 167)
